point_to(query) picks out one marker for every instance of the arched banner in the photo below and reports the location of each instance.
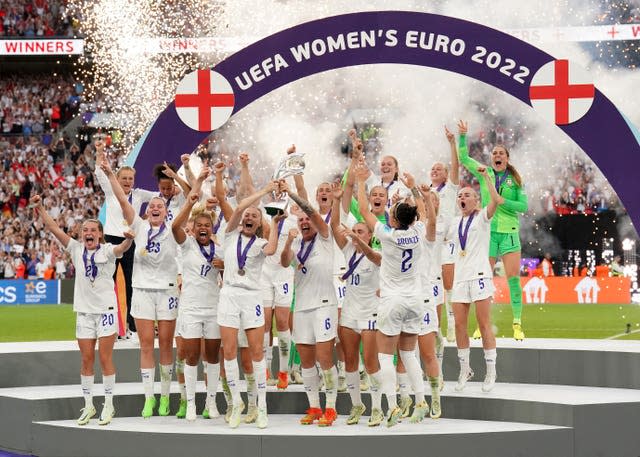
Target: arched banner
(428, 40)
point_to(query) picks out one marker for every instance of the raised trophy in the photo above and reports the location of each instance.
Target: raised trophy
(292, 164)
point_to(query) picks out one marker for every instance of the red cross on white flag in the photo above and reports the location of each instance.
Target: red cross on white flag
(562, 91)
(204, 100)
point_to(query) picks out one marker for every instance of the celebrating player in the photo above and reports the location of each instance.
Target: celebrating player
(95, 304)
(474, 279)
(505, 227)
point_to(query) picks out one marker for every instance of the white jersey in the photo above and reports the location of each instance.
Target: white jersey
(272, 263)
(361, 300)
(155, 262)
(314, 279)
(250, 280)
(97, 296)
(401, 257)
(430, 268)
(339, 265)
(448, 195)
(200, 290)
(115, 223)
(473, 262)
(174, 205)
(393, 187)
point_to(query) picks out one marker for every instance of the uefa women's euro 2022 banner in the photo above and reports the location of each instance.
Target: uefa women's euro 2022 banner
(29, 292)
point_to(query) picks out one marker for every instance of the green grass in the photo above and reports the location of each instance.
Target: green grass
(37, 323)
(57, 322)
(569, 321)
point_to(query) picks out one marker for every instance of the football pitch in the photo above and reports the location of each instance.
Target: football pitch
(57, 322)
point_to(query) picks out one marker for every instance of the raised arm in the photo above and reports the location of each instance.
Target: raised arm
(49, 223)
(338, 233)
(463, 153)
(371, 254)
(495, 198)
(272, 245)
(410, 182)
(184, 185)
(127, 209)
(287, 254)
(221, 195)
(314, 216)
(298, 180)
(454, 171)
(245, 186)
(177, 227)
(363, 203)
(520, 204)
(184, 158)
(427, 196)
(233, 222)
(124, 246)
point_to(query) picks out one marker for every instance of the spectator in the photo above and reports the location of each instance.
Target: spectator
(547, 265)
(616, 269)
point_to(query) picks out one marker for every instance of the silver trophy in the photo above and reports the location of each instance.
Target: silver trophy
(292, 164)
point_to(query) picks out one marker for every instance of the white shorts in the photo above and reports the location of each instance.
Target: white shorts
(437, 292)
(429, 322)
(240, 308)
(400, 314)
(340, 287)
(154, 304)
(448, 252)
(358, 325)
(198, 324)
(93, 326)
(315, 325)
(277, 288)
(472, 290)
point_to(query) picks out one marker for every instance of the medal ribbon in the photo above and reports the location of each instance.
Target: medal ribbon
(303, 255)
(150, 238)
(241, 254)
(353, 264)
(462, 235)
(218, 223)
(327, 217)
(500, 180)
(94, 269)
(212, 251)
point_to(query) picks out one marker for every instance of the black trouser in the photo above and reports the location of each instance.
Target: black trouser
(127, 270)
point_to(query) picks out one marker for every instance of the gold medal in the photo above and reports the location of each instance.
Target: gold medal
(124, 222)
(300, 266)
(241, 272)
(463, 253)
(143, 252)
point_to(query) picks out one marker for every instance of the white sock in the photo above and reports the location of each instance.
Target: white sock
(341, 370)
(213, 375)
(403, 384)
(190, 378)
(451, 320)
(166, 373)
(311, 382)
(180, 371)
(284, 342)
(376, 389)
(266, 348)
(434, 383)
(439, 349)
(353, 387)
(252, 391)
(109, 383)
(388, 374)
(463, 358)
(87, 389)
(490, 356)
(331, 386)
(233, 374)
(148, 377)
(259, 368)
(414, 372)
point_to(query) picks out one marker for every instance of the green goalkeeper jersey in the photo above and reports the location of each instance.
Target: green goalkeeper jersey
(505, 219)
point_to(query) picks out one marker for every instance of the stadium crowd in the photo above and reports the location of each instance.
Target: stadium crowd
(35, 19)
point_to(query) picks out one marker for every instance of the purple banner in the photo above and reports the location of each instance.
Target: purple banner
(429, 40)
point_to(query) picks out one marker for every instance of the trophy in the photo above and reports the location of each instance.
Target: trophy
(292, 164)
